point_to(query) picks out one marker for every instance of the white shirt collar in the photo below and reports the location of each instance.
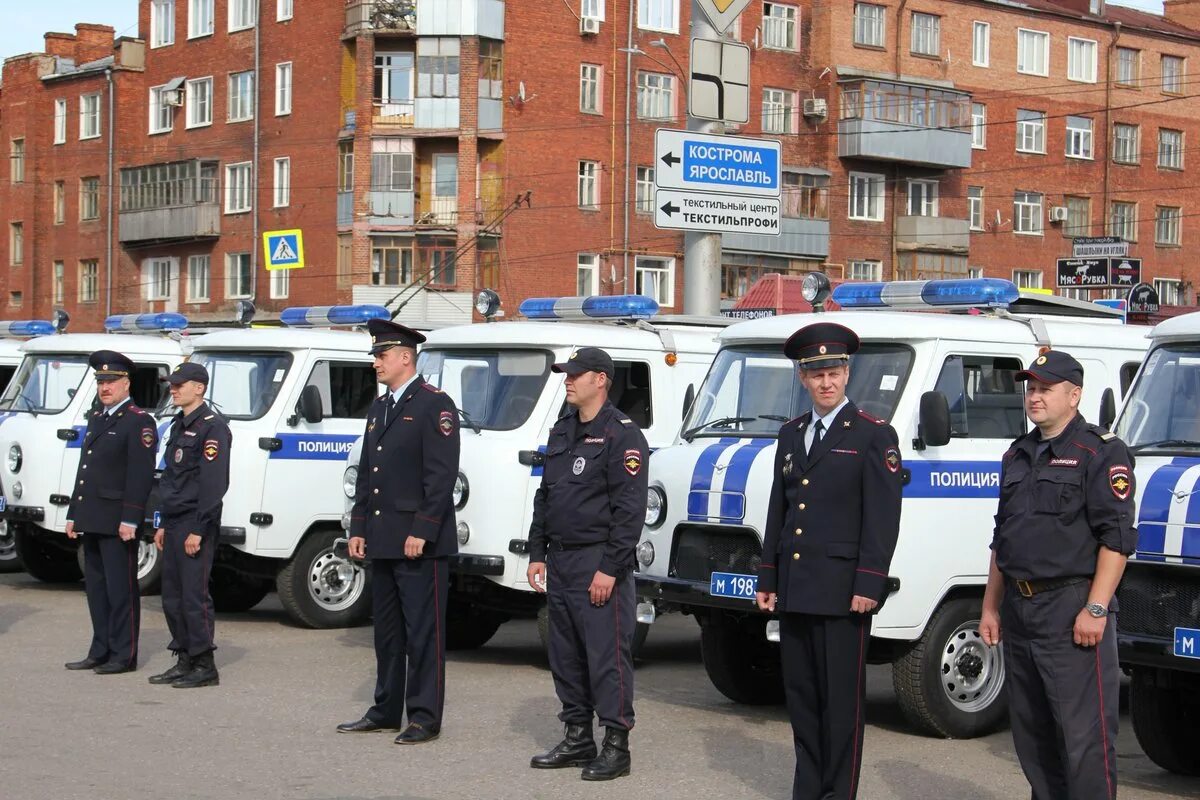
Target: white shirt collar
(396, 395)
(827, 420)
(110, 410)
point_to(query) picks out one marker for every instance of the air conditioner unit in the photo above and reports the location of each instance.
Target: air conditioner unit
(815, 107)
(1058, 213)
(589, 26)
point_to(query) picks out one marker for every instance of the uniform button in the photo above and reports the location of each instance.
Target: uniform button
(799, 531)
(85, 466)
(377, 513)
(376, 491)
(89, 452)
(802, 506)
(81, 483)
(374, 469)
(80, 497)
(804, 482)
(380, 447)
(795, 556)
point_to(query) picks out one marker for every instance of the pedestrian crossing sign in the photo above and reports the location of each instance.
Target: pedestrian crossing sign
(283, 249)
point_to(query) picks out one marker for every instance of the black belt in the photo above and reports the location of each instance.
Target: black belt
(1030, 588)
(557, 544)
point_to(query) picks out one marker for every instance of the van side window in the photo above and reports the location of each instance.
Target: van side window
(347, 388)
(630, 392)
(6, 374)
(1128, 372)
(985, 399)
(148, 385)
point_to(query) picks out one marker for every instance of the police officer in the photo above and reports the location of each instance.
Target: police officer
(587, 518)
(108, 501)
(403, 520)
(831, 529)
(190, 494)
(1064, 528)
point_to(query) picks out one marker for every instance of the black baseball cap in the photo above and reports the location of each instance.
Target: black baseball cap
(821, 345)
(188, 371)
(110, 365)
(1053, 366)
(386, 334)
(587, 359)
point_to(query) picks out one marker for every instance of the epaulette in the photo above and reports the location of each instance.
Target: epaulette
(210, 416)
(870, 418)
(1103, 434)
(625, 421)
(433, 389)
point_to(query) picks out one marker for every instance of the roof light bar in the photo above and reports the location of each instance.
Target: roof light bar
(26, 328)
(940, 294)
(146, 323)
(617, 306)
(328, 316)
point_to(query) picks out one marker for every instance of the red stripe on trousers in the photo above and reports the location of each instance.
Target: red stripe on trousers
(862, 637)
(620, 673)
(1103, 730)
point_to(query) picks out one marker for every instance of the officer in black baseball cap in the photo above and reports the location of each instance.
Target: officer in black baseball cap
(188, 371)
(1053, 366)
(587, 359)
(386, 334)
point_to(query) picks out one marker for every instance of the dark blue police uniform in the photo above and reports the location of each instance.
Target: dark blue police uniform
(831, 529)
(1061, 501)
(405, 488)
(116, 470)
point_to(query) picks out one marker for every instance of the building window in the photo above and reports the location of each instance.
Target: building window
(1081, 60)
(200, 18)
(975, 207)
(491, 69)
(589, 88)
(658, 15)
(198, 270)
(1079, 137)
(1031, 131)
(346, 166)
(1079, 217)
(870, 21)
(17, 161)
(60, 280)
(1172, 74)
(281, 282)
(974, 273)
(587, 274)
(16, 243)
(160, 111)
(242, 14)
(199, 102)
(1167, 220)
(655, 96)
(779, 111)
(1027, 213)
(805, 196)
(435, 261)
(645, 190)
(981, 44)
(89, 198)
(1170, 148)
(592, 9)
(391, 261)
(922, 198)
(89, 280)
(89, 116)
(162, 23)
(283, 89)
(1129, 66)
(865, 271)
(1122, 221)
(241, 96)
(345, 259)
(283, 11)
(589, 194)
(395, 83)
(926, 34)
(1027, 278)
(438, 67)
(1125, 143)
(1169, 291)
(655, 277)
(866, 196)
(1033, 52)
(160, 279)
(60, 202)
(283, 182)
(779, 26)
(60, 121)
(979, 126)
(238, 275)
(238, 194)
(391, 169)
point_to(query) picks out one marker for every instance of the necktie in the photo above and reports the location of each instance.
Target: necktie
(390, 409)
(818, 430)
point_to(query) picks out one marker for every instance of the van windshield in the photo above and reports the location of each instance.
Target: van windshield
(1163, 410)
(751, 391)
(45, 384)
(242, 384)
(496, 389)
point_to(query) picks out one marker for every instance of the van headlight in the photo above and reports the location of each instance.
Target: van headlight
(645, 553)
(462, 491)
(350, 480)
(656, 507)
(15, 459)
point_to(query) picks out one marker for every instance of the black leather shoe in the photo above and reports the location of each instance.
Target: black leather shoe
(417, 734)
(577, 749)
(87, 663)
(114, 668)
(180, 668)
(363, 725)
(613, 761)
(202, 673)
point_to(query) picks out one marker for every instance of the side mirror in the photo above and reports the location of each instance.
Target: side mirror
(689, 397)
(309, 405)
(934, 427)
(531, 458)
(1108, 408)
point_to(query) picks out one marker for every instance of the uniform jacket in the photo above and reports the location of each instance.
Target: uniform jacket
(593, 488)
(1056, 511)
(195, 477)
(116, 470)
(406, 474)
(834, 515)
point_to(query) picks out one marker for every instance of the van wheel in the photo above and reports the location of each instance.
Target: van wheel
(149, 563)
(950, 683)
(543, 627)
(469, 627)
(45, 561)
(9, 560)
(1164, 722)
(233, 593)
(739, 660)
(319, 589)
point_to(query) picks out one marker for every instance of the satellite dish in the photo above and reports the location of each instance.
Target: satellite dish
(521, 91)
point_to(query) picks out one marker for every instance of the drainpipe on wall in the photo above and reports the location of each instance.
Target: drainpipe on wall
(628, 93)
(1108, 75)
(108, 232)
(254, 171)
(899, 25)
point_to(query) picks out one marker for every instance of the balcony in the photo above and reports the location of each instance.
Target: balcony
(345, 209)
(797, 237)
(426, 17)
(390, 208)
(173, 202)
(906, 124)
(944, 234)
(380, 16)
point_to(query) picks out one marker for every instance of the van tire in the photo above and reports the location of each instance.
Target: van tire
(306, 577)
(150, 566)
(1164, 722)
(469, 627)
(924, 678)
(739, 660)
(233, 593)
(9, 560)
(640, 632)
(47, 562)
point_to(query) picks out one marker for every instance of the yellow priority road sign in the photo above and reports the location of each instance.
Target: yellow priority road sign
(722, 13)
(283, 249)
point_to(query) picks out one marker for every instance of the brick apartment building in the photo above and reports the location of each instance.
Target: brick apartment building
(922, 138)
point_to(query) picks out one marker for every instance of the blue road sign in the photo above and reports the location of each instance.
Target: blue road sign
(708, 163)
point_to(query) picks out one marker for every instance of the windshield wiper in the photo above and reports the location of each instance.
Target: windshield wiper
(472, 424)
(775, 417)
(1166, 443)
(723, 422)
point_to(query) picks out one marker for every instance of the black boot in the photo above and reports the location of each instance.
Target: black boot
(203, 673)
(613, 761)
(181, 667)
(577, 748)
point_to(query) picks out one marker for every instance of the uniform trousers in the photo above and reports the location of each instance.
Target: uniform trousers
(186, 601)
(1063, 698)
(590, 647)
(113, 597)
(408, 598)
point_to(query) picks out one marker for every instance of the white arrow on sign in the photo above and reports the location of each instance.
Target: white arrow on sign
(722, 13)
(712, 213)
(707, 162)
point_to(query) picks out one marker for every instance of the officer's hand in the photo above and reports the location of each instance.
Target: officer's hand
(601, 588)
(862, 605)
(71, 534)
(765, 600)
(127, 532)
(1089, 630)
(191, 545)
(413, 547)
(160, 536)
(537, 576)
(989, 627)
(357, 547)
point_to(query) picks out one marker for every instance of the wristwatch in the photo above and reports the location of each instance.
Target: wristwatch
(1097, 610)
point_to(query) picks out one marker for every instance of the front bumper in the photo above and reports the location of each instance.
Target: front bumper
(471, 564)
(1156, 652)
(23, 514)
(673, 592)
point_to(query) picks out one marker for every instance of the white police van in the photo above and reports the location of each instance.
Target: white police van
(499, 376)
(43, 414)
(1158, 626)
(946, 382)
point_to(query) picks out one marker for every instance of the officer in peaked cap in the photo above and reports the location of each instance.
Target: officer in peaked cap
(403, 520)
(1064, 529)
(108, 501)
(831, 529)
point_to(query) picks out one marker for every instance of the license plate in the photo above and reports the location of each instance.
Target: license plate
(1187, 642)
(731, 584)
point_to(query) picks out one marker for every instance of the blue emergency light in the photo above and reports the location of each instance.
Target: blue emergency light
(627, 306)
(943, 294)
(328, 316)
(27, 327)
(163, 321)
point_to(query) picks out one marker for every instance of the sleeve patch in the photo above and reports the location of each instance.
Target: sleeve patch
(1119, 482)
(147, 437)
(633, 461)
(891, 458)
(212, 449)
(446, 423)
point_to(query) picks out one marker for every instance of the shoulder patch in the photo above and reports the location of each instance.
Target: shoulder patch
(870, 418)
(211, 449)
(148, 437)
